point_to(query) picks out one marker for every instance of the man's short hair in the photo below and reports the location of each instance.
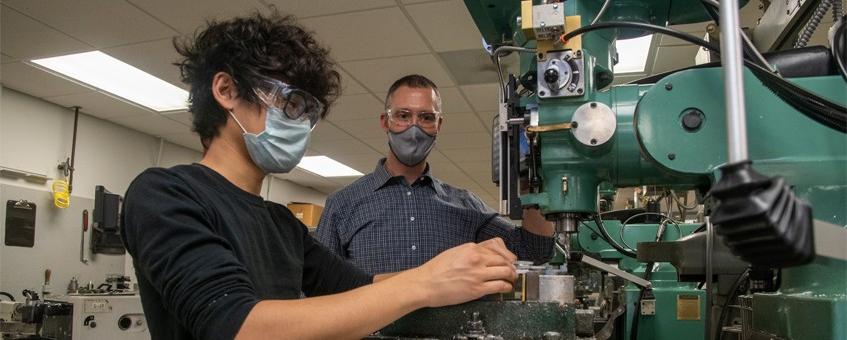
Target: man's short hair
(250, 49)
(415, 81)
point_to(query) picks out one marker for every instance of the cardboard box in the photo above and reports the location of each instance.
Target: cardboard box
(308, 213)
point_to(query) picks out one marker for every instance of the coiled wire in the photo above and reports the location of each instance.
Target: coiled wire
(814, 21)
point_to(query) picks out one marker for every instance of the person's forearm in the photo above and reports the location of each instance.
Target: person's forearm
(535, 223)
(350, 315)
(380, 277)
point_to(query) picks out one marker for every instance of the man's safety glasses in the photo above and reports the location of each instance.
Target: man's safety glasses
(404, 118)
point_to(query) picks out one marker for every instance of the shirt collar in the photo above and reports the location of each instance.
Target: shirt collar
(381, 178)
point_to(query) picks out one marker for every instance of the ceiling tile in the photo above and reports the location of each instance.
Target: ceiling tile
(487, 118)
(452, 100)
(363, 128)
(152, 124)
(391, 69)
(99, 105)
(475, 167)
(364, 162)
(365, 34)
(182, 117)
(328, 131)
(674, 57)
(4, 59)
(37, 82)
(24, 38)
(188, 16)
(359, 106)
(469, 154)
(154, 57)
(446, 25)
(420, 1)
(379, 144)
(188, 140)
(351, 146)
(100, 23)
(350, 85)
(461, 123)
(310, 8)
(439, 163)
(483, 97)
(463, 140)
(474, 66)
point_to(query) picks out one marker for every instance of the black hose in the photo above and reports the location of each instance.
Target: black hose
(809, 104)
(610, 240)
(8, 295)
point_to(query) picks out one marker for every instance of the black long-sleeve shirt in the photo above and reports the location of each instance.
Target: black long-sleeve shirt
(205, 252)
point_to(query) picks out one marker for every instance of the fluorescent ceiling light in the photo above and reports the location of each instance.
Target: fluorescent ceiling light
(326, 167)
(632, 54)
(118, 78)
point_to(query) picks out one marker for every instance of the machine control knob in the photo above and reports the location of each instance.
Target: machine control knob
(551, 76)
(692, 119)
(124, 323)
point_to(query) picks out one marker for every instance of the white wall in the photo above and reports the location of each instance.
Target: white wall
(36, 135)
(284, 192)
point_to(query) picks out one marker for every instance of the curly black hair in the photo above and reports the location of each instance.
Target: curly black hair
(251, 49)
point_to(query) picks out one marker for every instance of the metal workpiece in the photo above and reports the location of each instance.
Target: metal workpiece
(556, 288)
(593, 124)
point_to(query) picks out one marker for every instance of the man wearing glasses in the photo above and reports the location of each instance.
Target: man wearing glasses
(216, 261)
(400, 216)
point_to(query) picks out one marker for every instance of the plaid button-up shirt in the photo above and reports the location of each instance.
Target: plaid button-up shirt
(382, 224)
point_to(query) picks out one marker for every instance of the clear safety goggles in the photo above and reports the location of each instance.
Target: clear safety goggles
(295, 103)
(404, 117)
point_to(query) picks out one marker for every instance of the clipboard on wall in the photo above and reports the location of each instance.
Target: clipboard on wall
(20, 223)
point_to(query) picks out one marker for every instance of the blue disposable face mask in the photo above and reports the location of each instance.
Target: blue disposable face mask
(281, 146)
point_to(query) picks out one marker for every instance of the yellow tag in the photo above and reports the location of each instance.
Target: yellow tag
(688, 307)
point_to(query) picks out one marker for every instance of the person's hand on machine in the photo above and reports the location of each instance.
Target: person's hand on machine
(464, 273)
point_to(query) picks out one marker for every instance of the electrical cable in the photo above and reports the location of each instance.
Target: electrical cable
(666, 218)
(712, 7)
(12, 298)
(592, 230)
(809, 104)
(645, 292)
(602, 11)
(838, 44)
(496, 57)
(609, 240)
(812, 24)
(732, 290)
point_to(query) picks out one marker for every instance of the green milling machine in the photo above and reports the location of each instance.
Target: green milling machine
(768, 259)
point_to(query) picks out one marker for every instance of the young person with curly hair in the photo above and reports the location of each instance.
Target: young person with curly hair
(216, 261)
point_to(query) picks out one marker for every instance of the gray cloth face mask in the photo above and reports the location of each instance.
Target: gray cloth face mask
(411, 146)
